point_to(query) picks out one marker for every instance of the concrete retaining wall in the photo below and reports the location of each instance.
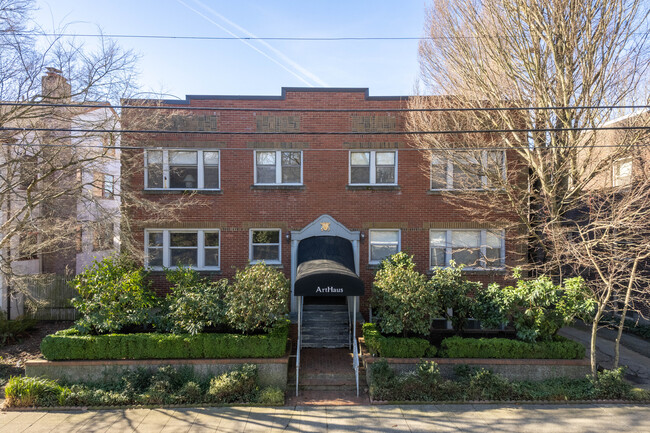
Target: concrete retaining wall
(271, 371)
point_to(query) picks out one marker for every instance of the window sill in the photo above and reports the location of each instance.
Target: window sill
(278, 187)
(160, 271)
(182, 191)
(463, 191)
(271, 265)
(373, 187)
(477, 271)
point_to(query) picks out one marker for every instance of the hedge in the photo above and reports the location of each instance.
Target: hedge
(561, 348)
(60, 346)
(395, 347)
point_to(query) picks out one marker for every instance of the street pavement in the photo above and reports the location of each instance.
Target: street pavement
(469, 418)
(632, 353)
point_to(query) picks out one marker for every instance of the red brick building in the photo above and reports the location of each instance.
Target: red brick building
(265, 180)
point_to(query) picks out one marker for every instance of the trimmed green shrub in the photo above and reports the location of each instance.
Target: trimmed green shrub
(395, 347)
(12, 330)
(257, 298)
(194, 302)
(271, 395)
(403, 298)
(190, 392)
(113, 295)
(33, 391)
(561, 348)
(166, 346)
(234, 386)
(454, 291)
(485, 385)
(537, 308)
(611, 384)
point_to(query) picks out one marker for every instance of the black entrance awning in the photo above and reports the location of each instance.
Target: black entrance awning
(326, 278)
(326, 268)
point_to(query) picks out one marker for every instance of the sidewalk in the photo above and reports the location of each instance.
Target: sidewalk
(440, 418)
(632, 353)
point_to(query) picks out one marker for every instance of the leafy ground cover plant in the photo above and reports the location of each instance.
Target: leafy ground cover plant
(113, 295)
(166, 385)
(426, 384)
(194, 302)
(13, 330)
(403, 298)
(257, 298)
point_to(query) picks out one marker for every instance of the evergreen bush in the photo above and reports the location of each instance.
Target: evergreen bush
(257, 298)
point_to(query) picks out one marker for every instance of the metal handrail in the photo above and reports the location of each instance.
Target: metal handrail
(355, 355)
(299, 342)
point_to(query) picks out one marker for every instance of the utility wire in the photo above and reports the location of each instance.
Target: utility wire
(318, 149)
(271, 38)
(174, 106)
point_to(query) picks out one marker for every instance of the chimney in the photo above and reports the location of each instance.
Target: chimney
(55, 87)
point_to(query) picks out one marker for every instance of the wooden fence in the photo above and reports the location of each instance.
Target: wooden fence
(49, 297)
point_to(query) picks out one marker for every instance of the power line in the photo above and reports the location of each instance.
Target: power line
(319, 149)
(318, 110)
(315, 133)
(268, 38)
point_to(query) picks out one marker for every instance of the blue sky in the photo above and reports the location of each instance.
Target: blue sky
(180, 67)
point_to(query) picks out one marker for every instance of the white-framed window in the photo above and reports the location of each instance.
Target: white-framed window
(182, 169)
(373, 167)
(265, 245)
(466, 172)
(278, 167)
(198, 249)
(476, 249)
(383, 243)
(622, 172)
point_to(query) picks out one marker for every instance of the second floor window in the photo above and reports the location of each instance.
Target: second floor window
(468, 170)
(622, 172)
(103, 185)
(182, 169)
(276, 167)
(373, 167)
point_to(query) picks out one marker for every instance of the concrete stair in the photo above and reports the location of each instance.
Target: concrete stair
(325, 326)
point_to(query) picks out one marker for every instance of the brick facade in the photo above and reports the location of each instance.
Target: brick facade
(240, 205)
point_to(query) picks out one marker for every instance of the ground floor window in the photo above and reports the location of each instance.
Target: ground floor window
(475, 249)
(199, 249)
(383, 243)
(265, 246)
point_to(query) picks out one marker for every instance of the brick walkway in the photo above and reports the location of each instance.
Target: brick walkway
(326, 379)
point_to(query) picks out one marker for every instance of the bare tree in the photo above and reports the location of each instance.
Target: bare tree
(547, 74)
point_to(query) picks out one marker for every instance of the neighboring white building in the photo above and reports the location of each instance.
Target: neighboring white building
(92, 214)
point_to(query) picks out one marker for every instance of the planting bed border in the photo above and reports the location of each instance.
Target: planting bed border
(271, 371)
(512, 369)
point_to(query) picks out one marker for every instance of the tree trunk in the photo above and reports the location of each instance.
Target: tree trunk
(592, 346)
(621, 323)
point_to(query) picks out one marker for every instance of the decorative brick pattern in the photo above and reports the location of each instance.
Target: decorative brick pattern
(373, 123)
(278, 123)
